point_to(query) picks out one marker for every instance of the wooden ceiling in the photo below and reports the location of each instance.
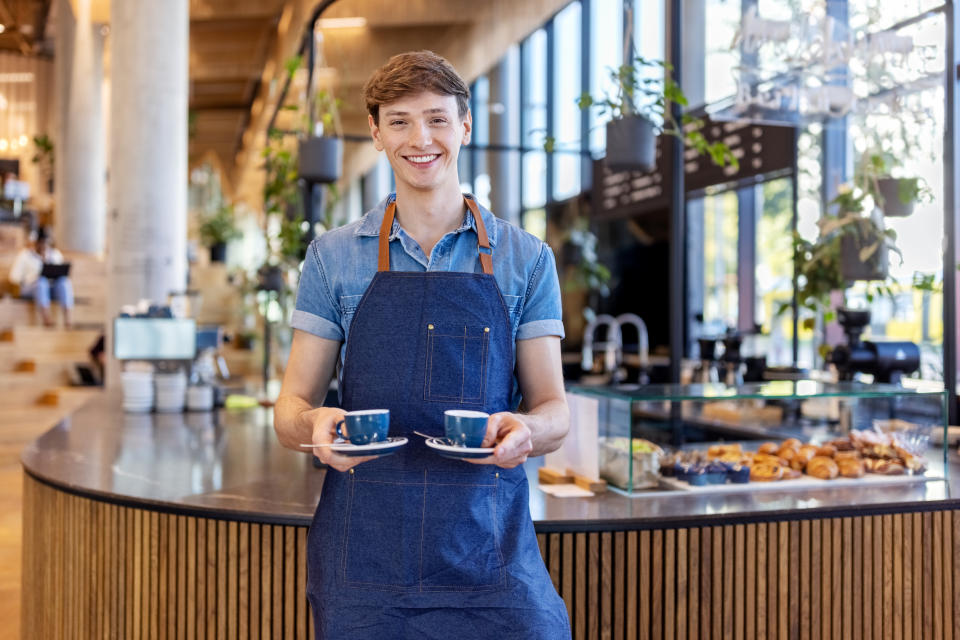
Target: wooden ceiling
(24, 22)
(229, 45)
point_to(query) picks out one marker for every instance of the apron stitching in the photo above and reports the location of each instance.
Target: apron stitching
(346, 530)
(496, 532)
(483, 367)
(428, 383)
(423, 518)
(463, 364)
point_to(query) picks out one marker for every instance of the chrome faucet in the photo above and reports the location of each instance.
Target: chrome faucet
(612, 344)
(643, 340)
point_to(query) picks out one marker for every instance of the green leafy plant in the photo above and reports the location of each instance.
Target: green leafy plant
(590, 274)
(43, 156)
(819, 262)
(220, 227)
(878, 165)
(646, 88)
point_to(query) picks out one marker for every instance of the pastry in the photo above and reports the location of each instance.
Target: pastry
(851, 467)
(889, 468)
(803, 456)
(791, 443)
(765, 472)
(841, 444)
(791, 474)
(822, 467)
(767, 447)
(766, 458)
(739, 474)
(716, 473)
(846, 455)
(721, 450)
(827, 451)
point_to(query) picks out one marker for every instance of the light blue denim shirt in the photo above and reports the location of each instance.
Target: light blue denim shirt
(341, 263)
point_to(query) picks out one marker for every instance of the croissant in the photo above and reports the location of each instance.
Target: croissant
(851, 468)
(827, 450)
(822, 467)
(802, 457)
(767, 447)
(765, 472)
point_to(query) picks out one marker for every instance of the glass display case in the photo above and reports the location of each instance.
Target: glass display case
(680, 436)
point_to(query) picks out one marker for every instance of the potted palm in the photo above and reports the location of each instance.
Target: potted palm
(640, 109)
(217, 230)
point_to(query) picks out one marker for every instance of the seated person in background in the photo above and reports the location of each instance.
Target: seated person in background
(25, 273)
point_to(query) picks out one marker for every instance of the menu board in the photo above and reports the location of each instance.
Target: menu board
(759, 148)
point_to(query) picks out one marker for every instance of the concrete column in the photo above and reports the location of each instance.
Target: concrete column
(504, 166)
(80, 169)
(148, 151)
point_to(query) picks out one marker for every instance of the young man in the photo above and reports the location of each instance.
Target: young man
(25, 273)
(428, 303)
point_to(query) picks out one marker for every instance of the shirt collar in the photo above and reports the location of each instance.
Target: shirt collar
(370, 223)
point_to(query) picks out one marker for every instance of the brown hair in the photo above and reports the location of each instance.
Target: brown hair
(410, 73)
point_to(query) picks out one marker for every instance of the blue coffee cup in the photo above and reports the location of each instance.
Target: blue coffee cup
(364, 427)
(465, 428)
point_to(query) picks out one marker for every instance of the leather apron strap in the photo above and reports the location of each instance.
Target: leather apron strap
(483, 242)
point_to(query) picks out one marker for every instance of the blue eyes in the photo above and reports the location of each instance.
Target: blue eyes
(435, 121)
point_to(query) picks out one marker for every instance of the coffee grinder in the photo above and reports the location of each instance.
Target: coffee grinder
(888, 362)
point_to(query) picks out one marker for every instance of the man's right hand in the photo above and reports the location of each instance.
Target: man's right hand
(323, 421)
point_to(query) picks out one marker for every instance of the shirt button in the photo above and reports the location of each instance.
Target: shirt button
(350, 472)
(496, 475)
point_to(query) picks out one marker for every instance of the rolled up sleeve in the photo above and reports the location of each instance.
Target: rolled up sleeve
(315, 311)
(542, 312)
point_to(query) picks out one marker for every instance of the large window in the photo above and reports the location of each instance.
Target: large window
(567, 88)
(534, 98)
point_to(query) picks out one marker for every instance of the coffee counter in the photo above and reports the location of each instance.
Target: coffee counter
(194, 525)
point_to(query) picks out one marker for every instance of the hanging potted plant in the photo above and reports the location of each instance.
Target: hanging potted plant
(217, 230)
(896, 197)
(320, 152)
(851, 246)
(639, 108)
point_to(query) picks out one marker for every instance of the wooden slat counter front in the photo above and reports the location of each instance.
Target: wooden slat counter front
(194, 526)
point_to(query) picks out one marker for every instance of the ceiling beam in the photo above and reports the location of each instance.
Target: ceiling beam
(7, 18)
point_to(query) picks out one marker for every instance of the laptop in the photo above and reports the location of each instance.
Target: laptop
(54, 271)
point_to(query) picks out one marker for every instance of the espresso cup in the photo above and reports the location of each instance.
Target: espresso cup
(465, 428)
(364, 427)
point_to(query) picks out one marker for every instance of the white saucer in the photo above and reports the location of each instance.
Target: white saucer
(444, 448)
(380, 448)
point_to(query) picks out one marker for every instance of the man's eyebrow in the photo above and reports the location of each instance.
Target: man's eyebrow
(397, 112)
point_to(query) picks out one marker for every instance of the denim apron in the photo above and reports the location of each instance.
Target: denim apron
(414, 545)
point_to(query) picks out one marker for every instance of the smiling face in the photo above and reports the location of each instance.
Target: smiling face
(421, 135)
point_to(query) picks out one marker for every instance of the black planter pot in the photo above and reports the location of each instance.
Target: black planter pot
(852, 268)
(270, 278)
(893, 205)
(631, 144)
(320, 159)
(218, 252)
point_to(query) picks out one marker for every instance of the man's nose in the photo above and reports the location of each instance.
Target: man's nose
(420, 136)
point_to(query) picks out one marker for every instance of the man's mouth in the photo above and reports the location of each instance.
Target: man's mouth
(424, 159)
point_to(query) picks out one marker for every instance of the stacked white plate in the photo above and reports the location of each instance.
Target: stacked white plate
(137, 391)
(200, 398)
(171, 390)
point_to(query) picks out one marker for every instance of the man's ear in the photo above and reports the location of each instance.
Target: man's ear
(467, 127)
(375, 133)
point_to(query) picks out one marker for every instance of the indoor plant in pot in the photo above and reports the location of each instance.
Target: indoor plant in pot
(851, 246)
(640, 110)
(217, 230)
(896, 197)
(320, 153)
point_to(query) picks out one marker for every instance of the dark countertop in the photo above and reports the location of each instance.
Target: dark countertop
(229, 465)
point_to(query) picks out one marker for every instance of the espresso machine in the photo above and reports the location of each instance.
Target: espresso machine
(888, 362)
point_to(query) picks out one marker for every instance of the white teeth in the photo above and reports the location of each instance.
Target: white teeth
(423, 159)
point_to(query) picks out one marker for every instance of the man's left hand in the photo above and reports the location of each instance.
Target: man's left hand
(511, 437)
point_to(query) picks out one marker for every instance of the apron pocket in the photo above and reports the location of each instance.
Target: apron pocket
(461, 535)
(456, 363)
(382, 535)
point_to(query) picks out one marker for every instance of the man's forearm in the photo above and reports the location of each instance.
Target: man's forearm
(290, 421)
(548, 423)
